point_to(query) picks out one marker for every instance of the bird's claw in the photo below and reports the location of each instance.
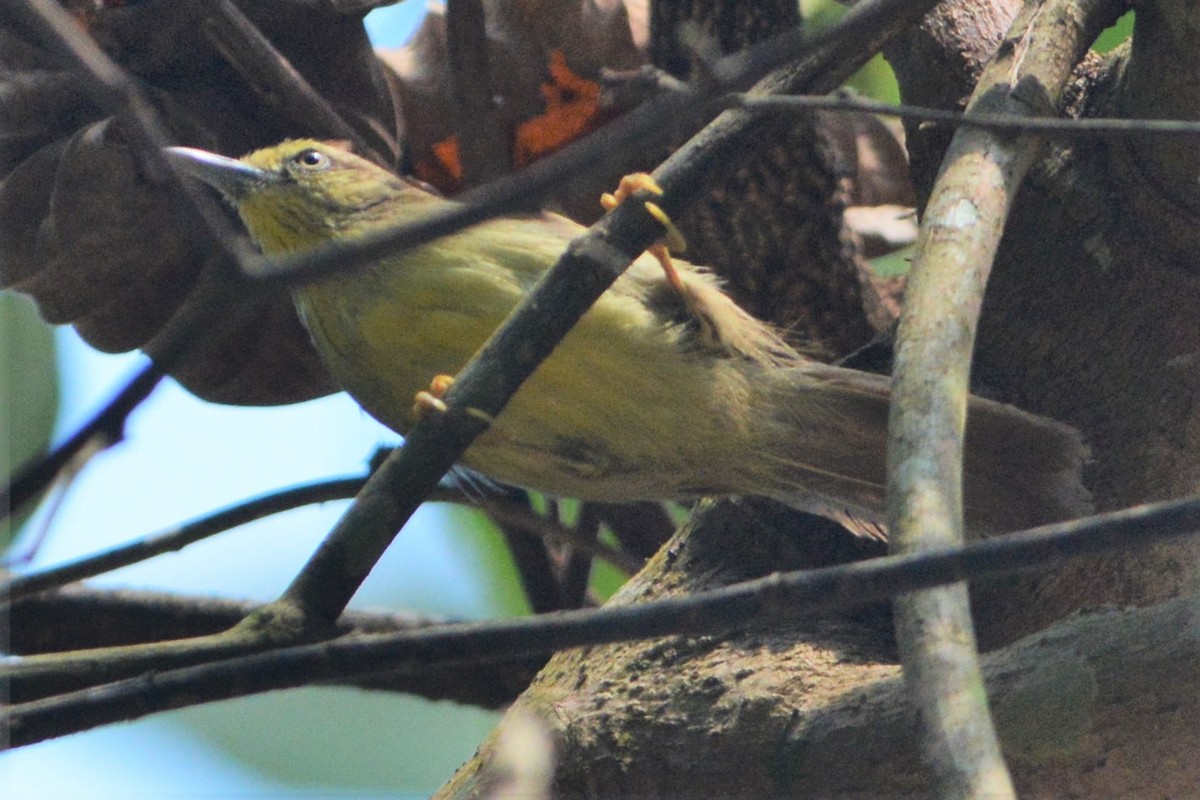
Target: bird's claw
(427, 402)
(673, 240)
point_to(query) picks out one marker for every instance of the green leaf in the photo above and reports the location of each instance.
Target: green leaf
(28, 392)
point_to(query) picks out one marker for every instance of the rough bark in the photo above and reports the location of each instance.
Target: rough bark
(817, 708)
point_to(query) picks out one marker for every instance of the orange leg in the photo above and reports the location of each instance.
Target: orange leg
(674, 239)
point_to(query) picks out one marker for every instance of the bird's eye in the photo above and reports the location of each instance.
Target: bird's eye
(311, 160)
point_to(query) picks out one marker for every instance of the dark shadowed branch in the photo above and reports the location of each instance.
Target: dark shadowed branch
(483, 147)
(772, 598)
(277, 82)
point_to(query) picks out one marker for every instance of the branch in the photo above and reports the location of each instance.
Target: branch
(482, 143)
(79, 617)
(147, 547)
(771, 599)
(964, 220)
(106, 428)
(1047, 127)
(483, 387)
(278, 84)
(520, 517)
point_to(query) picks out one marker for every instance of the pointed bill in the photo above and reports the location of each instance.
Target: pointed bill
(231, 177)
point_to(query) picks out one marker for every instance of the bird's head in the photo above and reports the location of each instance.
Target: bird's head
(302, 192)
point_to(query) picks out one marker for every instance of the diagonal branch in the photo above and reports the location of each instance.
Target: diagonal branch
(658, 121)
(277, 82)
(483, 387)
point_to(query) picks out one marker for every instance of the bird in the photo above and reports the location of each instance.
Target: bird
(664, 390)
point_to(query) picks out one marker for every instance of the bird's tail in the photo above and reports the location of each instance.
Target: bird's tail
(827, 431)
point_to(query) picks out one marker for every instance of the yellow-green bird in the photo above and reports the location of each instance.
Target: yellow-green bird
(663, 390)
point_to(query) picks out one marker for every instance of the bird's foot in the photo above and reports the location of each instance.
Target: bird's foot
(640, 181)
(431, 401)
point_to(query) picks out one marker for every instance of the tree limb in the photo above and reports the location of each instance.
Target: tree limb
(960, 233)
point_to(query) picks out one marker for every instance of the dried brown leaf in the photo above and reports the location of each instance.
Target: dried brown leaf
(525, 41)
(95, 244)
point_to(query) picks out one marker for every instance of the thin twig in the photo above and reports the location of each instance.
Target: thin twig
(106, 426)
(1094, 127)
(177, 538)
(533, 560)
(549, 528)
(528, 522)
(576, 572)
(961, 229)
(60, 488)
(712, 612)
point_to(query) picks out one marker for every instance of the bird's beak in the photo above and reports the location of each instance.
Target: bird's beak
(231, 177)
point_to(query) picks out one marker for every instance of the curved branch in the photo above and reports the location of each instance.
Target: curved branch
(961, 231)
